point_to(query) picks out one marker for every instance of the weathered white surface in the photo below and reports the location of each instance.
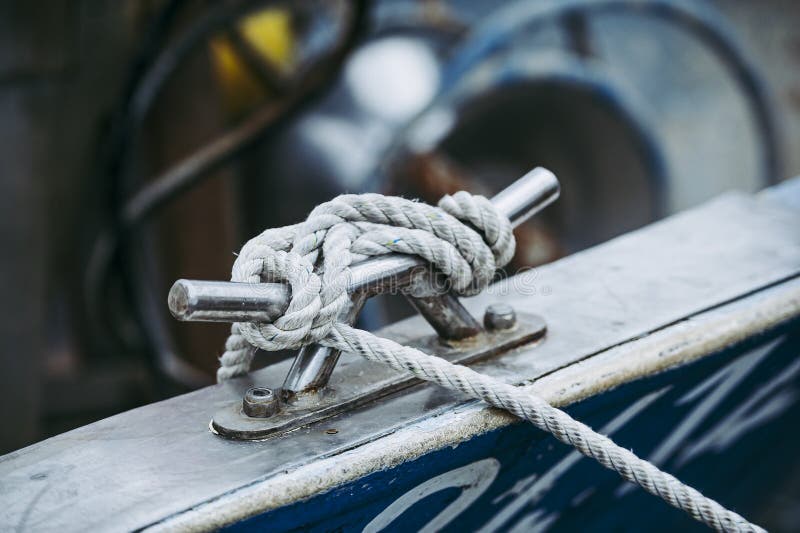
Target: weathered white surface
(156, 462)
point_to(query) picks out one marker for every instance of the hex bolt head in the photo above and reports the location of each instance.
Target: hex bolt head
(259, 402)
(499, 317)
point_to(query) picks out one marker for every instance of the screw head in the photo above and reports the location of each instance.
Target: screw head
(499, 317)
(259, 402)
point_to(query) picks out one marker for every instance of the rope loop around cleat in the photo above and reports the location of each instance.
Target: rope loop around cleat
(467, 240)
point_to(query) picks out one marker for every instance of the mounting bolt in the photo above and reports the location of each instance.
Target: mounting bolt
(499, 317)
(259, 402)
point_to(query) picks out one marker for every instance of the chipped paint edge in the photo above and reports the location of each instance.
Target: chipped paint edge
(675, 345)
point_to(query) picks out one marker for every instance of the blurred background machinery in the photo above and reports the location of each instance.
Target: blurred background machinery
(146, 141)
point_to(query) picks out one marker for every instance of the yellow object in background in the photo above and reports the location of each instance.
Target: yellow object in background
(269, 34)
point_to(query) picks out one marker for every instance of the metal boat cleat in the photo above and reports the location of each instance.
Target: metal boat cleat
(309, 393)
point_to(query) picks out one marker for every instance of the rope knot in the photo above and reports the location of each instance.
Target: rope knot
(465, 238)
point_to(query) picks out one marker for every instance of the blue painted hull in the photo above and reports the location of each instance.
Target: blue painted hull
(726, 425)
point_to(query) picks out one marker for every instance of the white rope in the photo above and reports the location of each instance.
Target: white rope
(351, 228)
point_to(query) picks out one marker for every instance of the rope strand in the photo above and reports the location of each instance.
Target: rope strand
(353, 227)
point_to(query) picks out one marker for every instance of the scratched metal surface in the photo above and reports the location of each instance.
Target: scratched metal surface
(142, 466)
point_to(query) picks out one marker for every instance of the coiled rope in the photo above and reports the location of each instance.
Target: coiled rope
(466, 239)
